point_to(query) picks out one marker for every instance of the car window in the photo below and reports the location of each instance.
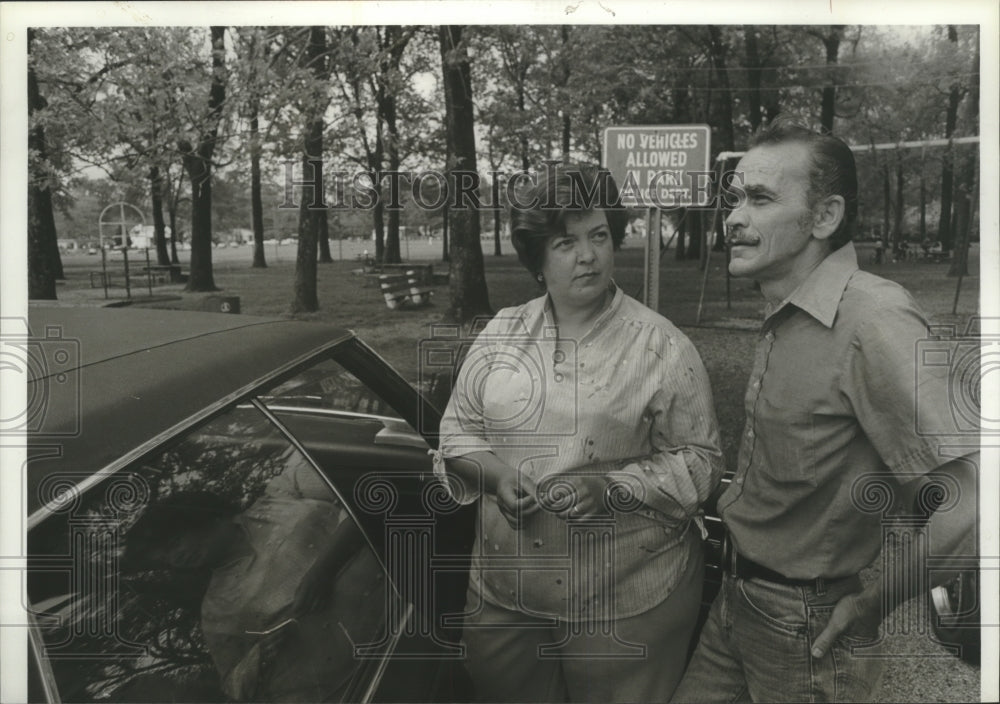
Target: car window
(174, 579)
(327, 385)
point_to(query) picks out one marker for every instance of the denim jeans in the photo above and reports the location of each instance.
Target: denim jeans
(756, 646)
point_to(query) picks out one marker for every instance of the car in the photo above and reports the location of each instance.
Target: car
(132, 409)
(129, 409)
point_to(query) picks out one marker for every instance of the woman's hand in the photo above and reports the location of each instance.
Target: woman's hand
(515, 492)
(515, 498)
(576, 495)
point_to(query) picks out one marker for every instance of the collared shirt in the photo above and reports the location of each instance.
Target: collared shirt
(842, 407)
(632, 387)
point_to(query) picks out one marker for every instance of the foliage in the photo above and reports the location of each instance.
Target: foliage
(120, 100)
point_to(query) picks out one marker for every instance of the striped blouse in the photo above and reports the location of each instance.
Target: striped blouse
(632, 387)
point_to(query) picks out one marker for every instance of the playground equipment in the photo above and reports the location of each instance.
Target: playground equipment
(114, 236)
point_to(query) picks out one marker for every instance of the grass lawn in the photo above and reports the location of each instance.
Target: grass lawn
(724, 336)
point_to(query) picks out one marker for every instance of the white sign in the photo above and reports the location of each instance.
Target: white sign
(660, 166)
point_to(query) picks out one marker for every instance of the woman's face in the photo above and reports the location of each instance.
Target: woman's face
(578, 264)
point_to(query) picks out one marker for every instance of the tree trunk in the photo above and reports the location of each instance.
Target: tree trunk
(306, 299)
(829, 109)
(704, 251)
(724, 112)
(200, 171)
(720, 232)
(565, 137)
(324, 237)
(945, 234)
(312, 207)
(724, 119)
(198, 164)
(387, 115)
(43, 270)
(695, 234)
(886, 205)
(393, 45)
(679, 252)
(923, 204)
(159, 226)
(378, 220)
(754, 75)
(445, 256)
(41, 277)
(256, 194)
(963, 222)
(897, 219)
(967, 180)
(565, 59)
(523, 136)
(682, 106)
(378, 209)
(173, 201)
(393, 253)
(172, 214)
(469, 296)
(496, 215)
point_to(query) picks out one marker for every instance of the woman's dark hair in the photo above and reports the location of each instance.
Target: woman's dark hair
(538, 211)
(180, 514)
(832, 169)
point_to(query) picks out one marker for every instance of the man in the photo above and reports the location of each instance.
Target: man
(831, 411)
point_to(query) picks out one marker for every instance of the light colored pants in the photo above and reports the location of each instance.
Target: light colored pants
(756, 647)
(507, 657)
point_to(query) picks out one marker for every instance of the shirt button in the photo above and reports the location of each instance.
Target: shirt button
(769, 336)
(739, 480)
(756, 385)
(750, 433)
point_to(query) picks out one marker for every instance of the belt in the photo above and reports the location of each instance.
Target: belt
(743, 567)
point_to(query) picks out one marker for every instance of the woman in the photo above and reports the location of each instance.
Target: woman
(584, 420)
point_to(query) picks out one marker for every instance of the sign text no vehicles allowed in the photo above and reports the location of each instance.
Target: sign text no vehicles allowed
(660, 166)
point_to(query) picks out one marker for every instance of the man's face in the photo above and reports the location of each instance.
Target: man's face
(771, 227)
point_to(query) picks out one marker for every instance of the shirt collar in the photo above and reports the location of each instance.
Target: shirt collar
(819, 295)
(602, 319)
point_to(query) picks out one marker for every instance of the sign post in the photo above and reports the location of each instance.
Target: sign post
(658, 167)
(651, 260)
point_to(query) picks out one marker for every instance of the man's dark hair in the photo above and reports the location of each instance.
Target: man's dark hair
(832, 171)
(540, 209)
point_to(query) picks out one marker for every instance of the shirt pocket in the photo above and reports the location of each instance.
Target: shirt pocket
(784, 435)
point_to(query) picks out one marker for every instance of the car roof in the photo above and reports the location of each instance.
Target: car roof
(107, 382)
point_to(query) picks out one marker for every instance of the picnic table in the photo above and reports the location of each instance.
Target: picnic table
(164, 273)
(423, 272)
(404, 290)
